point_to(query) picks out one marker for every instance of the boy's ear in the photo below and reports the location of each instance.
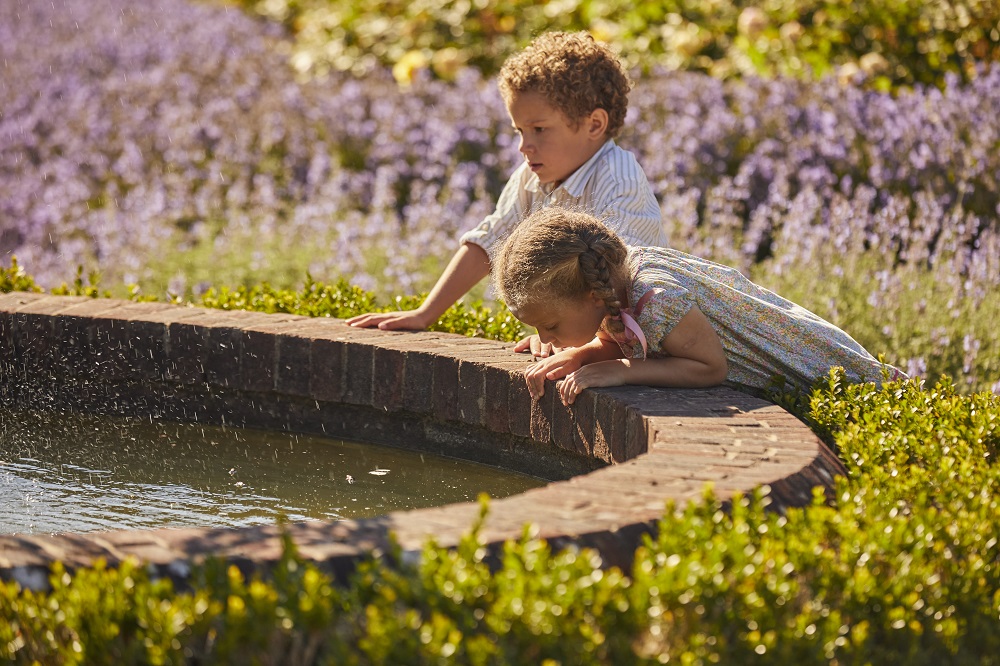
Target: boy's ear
(597, 123)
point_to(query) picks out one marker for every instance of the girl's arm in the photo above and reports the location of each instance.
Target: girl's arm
(696, 360)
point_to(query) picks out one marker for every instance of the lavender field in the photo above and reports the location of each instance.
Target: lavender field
(170, 145)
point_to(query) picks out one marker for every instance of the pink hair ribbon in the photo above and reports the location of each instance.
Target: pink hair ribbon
(632, 329)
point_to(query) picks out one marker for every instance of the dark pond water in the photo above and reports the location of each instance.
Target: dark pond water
(73, 472)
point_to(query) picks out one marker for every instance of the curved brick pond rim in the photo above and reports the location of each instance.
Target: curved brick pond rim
(615, 458)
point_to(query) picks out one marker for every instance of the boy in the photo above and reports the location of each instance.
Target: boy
(566, 95)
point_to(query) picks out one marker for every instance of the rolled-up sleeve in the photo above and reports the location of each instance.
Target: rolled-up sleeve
(489, 233)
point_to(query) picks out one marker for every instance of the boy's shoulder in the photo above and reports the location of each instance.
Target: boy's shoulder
(616, 164)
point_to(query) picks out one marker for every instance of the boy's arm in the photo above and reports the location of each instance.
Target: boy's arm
(469, 265)
(695, 359)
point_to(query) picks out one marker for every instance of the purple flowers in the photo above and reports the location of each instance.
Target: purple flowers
(172, 144)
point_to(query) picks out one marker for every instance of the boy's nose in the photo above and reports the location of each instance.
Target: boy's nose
(525, 148)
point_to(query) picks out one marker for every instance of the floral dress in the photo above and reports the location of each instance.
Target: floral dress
(765, 337)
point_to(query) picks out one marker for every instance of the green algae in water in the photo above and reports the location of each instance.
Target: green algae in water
(67, 472)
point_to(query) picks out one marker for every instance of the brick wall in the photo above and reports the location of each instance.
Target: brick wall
(615, 458)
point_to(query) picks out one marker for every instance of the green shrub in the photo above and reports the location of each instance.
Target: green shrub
(903, 567)
(899, 42)
(15, 279)
(343, 300)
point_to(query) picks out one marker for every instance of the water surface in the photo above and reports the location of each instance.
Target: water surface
(73, 472)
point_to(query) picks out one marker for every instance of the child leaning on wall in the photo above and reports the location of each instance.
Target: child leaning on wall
(566, 95)
(658, 317)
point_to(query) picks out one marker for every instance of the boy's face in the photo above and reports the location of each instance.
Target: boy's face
(565, 323)
(550, 143)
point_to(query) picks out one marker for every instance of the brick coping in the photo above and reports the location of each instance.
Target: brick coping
(615, 458)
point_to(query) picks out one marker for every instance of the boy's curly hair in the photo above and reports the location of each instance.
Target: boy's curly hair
(576, 73)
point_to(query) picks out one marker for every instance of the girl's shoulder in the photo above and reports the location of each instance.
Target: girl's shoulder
(660, 262)
(654, 269)
(675, 266)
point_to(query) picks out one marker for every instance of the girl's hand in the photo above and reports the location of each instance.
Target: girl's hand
(569, 359)
(537, 348)
(605, 373)
(553, 367)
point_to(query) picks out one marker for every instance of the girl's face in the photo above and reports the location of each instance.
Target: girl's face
(569, 323)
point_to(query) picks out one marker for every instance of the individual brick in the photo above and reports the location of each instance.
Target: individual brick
(222, 356)
(609, 427)
(563, 423)
(186, 352)
(471, 392)
(358, 374)
(293, 364)
(446, 388)
(326, 382)
(520, 409)
(541, 414)
(389, 372)
(258, 356)
(418, 382)
(496, 398)
(583, 409)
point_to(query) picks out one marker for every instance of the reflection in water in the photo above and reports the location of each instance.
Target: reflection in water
(70, 472)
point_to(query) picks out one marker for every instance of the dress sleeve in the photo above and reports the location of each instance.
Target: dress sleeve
(491, 232)
(662, 310)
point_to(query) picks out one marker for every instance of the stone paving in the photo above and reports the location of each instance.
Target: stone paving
(614, 459)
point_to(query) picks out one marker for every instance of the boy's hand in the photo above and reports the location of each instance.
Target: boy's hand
(405, 320)
(537, 348)
(605, 373)
(553, 367)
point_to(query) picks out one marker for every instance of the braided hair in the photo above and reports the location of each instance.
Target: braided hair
(561, 254)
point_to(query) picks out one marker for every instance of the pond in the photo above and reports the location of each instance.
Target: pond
(71, 472)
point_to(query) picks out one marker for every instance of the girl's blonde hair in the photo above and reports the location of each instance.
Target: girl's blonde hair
(559, 254)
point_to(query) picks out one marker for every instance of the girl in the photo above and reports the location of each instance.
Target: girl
(658, 317)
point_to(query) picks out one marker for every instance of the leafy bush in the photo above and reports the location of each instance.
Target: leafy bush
(343, 300)
(900, 42)
(902, 568)
(15, 279)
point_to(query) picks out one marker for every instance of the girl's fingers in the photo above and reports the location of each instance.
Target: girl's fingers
(535, 377)
(569, 389)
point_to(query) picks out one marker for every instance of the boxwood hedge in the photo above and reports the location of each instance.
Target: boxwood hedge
(902, 568)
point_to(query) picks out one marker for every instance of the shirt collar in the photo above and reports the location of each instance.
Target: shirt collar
(574, 185)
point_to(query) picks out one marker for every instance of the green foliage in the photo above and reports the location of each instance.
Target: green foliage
(82, 288)
(901, 567)
(899, 42)
(15, 279)
(342, 300)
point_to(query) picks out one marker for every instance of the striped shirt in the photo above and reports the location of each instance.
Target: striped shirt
(611, 186)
